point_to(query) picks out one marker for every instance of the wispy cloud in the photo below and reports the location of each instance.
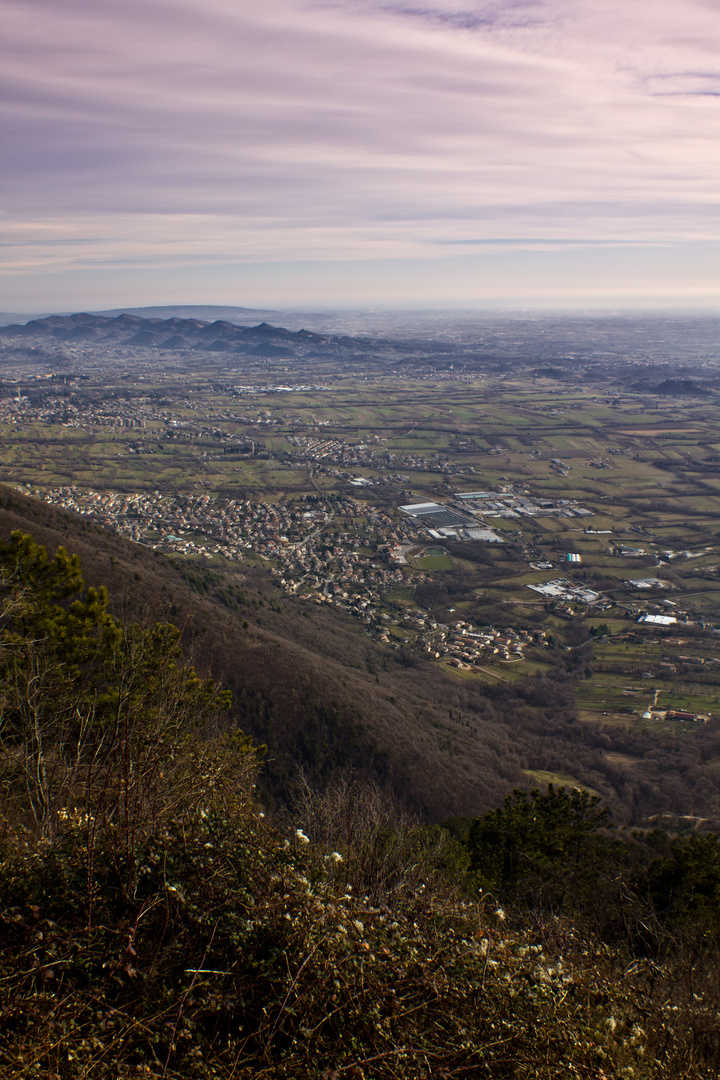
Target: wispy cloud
(459, 16)
(685, 84)
(143, 133)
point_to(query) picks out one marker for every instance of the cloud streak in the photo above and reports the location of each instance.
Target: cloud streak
(147, 133)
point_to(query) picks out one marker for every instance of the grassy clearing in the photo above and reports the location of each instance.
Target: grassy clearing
(559, 779)
(435, 562)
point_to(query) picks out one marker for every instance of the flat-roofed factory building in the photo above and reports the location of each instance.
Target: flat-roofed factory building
(443, 522)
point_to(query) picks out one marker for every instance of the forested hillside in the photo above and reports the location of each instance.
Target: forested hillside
(156, 921)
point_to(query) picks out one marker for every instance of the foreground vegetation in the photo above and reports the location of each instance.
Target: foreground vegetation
(153, 922)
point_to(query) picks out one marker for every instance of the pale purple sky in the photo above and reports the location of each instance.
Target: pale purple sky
(340, 152)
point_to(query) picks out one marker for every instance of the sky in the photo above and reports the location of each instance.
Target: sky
(340, 153)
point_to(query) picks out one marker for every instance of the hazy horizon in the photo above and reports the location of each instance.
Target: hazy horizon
(378, 311)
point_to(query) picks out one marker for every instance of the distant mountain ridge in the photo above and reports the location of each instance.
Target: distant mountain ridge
(175, 333)
(204, 312)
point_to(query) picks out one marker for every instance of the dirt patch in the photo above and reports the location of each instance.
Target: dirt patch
(609, 719)
(623, 760)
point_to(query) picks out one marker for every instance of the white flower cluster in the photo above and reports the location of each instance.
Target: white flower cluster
(74, 817)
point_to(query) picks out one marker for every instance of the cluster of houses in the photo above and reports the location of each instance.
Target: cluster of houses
(468, 647)
(335, 451)
(330, 551)
(80, 413)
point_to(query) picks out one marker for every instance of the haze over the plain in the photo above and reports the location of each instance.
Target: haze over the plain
(538, 152)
